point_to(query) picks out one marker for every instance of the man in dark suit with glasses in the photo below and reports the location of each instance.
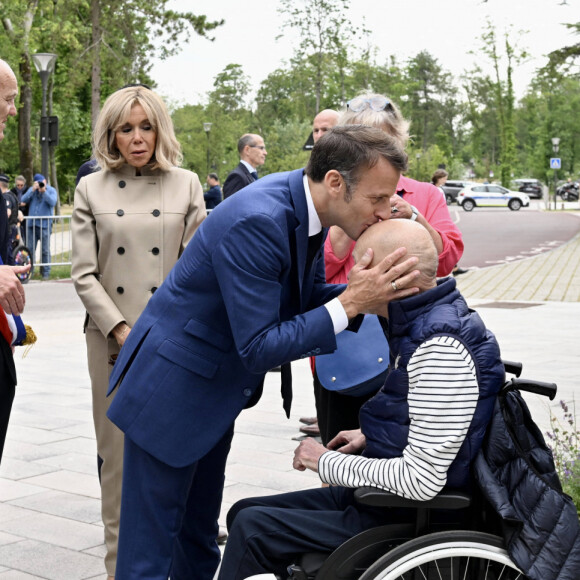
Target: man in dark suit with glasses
(252, 155)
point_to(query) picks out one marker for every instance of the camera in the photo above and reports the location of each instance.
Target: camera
(41, 184)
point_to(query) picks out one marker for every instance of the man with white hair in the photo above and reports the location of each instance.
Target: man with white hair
(11, 290)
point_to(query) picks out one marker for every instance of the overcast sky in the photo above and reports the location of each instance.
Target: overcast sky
(448, 29)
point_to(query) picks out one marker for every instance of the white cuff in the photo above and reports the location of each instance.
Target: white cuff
(337, 315)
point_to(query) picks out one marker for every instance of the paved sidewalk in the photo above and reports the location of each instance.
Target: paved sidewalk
(49, 494)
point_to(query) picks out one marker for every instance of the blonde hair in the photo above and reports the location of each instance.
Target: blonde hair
(114, 114)
(390, 119)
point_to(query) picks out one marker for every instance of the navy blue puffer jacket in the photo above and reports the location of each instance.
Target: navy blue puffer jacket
(439, 311)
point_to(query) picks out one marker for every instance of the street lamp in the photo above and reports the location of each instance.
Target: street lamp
(555, 149)
(44, 63)
(207, 129)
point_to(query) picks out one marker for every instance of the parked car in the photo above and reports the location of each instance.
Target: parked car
(569, 191)
(452, 188)
(531, 187)
(486, 195)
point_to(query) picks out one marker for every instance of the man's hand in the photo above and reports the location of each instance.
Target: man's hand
(370, 290)
(12, 297)
(350, 442)
(307, 455)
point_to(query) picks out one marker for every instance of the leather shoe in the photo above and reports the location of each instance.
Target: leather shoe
(310, 430)
(222, 536)
(308, 420)
(458, 270)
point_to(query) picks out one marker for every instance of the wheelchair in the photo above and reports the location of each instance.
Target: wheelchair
(443, 542)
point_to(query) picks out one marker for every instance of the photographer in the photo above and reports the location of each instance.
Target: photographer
(41, 199)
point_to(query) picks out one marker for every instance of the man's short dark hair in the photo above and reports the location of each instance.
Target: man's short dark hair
(213, 176)
(245, 140)
(352, 149)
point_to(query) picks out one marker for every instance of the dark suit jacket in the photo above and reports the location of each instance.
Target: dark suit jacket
(7, 370)
(213, 197)
(239, 302)
(237, 179)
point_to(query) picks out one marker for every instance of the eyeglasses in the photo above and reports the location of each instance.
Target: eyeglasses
(377, 104)
(259, 147)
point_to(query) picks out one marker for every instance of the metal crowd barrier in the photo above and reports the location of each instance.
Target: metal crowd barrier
(60, 239)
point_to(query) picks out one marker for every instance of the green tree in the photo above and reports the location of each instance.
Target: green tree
(504, 96)
(325, 32)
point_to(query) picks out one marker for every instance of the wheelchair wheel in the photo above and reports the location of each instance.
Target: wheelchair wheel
(22, 257)
(446, 556)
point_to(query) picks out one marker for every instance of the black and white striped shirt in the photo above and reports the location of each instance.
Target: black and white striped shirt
(443, 393)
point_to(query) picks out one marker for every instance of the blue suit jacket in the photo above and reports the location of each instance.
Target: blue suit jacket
(238, 302)
(238, 178)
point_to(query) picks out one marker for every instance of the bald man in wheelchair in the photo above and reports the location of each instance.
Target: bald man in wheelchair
(418, 434)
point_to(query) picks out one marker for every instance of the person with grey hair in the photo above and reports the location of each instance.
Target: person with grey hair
(415, 201)
(252, 155)
(131, 221)
(12, 298)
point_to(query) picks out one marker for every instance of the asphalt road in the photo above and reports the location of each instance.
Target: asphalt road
(498, 235)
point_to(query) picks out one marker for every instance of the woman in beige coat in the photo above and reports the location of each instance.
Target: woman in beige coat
(131, 222)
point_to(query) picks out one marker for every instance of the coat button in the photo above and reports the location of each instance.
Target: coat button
(120, 289)
(120, 250)
(247, 392)
(122, 184)
(156, 212)
(333, 379)
(120, 212)
(380, 359)
(155, 251)
(153, 290)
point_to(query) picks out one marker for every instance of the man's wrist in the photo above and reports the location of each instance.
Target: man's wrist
(414, 214)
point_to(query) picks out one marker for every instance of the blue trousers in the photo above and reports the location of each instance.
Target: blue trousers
(35, 232)
(266, 533)
(169, 516)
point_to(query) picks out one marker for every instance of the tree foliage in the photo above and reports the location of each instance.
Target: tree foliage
(472, 124)
(101, 46)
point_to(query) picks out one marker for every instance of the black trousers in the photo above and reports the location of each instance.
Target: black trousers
(266, 533)
(336, 412)
(7, 389)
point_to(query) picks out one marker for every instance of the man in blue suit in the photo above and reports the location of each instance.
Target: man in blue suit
(248, 294)
(252, 155)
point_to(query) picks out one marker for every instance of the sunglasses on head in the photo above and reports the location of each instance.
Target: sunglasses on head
(377, 104)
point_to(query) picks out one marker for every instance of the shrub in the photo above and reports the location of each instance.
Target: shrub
(564, 440)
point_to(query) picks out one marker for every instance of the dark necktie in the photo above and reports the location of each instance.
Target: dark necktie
(314, 243)
(254, 174)
(286, 388)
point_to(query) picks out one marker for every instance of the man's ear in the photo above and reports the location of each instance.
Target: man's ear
(334, 181)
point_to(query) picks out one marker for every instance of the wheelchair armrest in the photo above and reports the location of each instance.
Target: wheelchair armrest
(449, 500)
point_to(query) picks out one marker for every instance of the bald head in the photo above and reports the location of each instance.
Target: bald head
(386, 236)
(8, 94)
(323, 122)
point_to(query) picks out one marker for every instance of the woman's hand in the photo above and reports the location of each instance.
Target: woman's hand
(121, 332)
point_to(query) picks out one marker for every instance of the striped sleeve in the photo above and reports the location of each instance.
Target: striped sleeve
(443, 393)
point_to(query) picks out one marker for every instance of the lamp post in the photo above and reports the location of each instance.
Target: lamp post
(44, 63)
(207, 129)
(555, 149)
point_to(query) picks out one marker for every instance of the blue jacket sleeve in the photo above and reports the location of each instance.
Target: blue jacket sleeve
(253, 268)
